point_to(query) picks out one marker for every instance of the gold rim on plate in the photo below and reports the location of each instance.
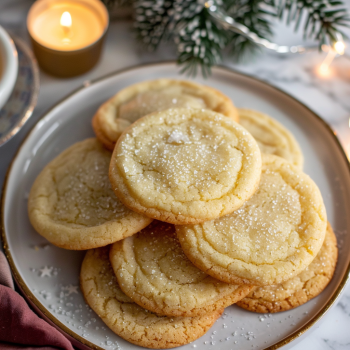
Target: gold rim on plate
(77, 338)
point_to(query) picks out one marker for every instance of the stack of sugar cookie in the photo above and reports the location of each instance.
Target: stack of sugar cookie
(191, 213)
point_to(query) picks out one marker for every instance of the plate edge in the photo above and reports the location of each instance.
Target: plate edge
(34, 98)
(32, 299)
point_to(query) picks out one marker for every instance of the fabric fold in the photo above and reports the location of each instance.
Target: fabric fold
(20, 327)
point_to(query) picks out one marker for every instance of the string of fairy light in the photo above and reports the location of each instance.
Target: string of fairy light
(323, 70)
(228, 22)
(338, 49)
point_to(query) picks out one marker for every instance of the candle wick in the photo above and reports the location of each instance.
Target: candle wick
(66, 30)
(66, 23)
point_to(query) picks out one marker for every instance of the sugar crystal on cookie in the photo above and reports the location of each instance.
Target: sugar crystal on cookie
(271, 238)
(185, 164)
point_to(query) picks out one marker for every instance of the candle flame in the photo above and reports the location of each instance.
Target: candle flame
(66, 19)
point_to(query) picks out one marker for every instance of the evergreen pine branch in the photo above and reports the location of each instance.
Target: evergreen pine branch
(323, 18)
(110, 3)
(254, 14)
(155, 21)
(200, 42)
(152, 21)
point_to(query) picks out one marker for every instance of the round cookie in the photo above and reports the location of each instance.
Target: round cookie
(129, 320)
(271, 136)
(153, 271)
(300, 289)
(137, 100)
(72, 204)
(270, 239)
(185, 166)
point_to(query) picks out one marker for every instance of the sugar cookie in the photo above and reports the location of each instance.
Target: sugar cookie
(300, 289)
(72, 203)
(271, 136)
(185, 166)
(153, 271)
(137, 100)
(129, 320)
(270, 239)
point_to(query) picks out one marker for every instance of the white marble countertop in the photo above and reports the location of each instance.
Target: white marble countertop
(328, 96)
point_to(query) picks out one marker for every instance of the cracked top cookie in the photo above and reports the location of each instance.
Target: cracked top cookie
(185, 166)
(153, 271)
(300, 289)
(137, 100)
(72, 204)
(271, 136)
(270, 239)
(127, 319)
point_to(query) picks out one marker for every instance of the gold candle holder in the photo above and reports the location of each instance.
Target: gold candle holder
(67, 35)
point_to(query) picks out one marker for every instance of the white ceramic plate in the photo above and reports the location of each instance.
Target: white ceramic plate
(8, 66)
(20, 105)
(49, 276)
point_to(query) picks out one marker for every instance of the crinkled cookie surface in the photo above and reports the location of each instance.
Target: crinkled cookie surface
(270, 239)
(271, 136)
(72, 204)
(300, 289)
(129, 320)
(137, 100)
(152, 270)
(185, 166)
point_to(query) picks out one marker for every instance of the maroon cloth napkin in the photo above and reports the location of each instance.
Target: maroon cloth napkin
(5, 272)
(20, 327)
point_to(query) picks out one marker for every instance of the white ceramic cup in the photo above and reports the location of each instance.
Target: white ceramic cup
(8, 66)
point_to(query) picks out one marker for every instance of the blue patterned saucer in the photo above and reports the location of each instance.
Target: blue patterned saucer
(22, 101)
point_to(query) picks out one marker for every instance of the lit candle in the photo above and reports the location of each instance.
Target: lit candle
(67, 35)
